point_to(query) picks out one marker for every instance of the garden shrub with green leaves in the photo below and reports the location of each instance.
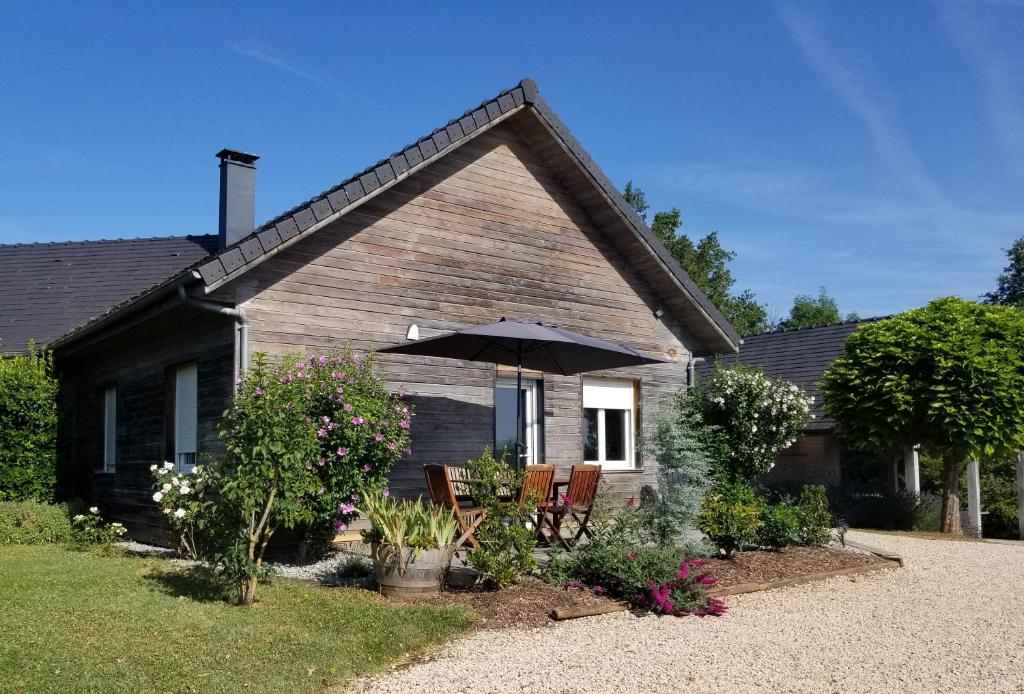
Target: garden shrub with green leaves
(626, 561)
(181, 496)
(400, 530)
(731, 517)
(815, 518)
(780, 526)
(28, 427)
(34, 523)
(505, 535)
(90, 530)
(755, 416)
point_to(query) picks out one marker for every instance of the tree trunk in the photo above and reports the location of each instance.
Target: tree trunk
(248, 591)
(951, 495)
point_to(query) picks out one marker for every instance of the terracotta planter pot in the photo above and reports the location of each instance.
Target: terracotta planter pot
(410, 574)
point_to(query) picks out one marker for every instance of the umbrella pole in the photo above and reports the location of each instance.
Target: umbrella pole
(519, 412)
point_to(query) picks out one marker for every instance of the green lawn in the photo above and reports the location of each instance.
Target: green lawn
(76, 622)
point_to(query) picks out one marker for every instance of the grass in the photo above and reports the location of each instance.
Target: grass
(75, 621)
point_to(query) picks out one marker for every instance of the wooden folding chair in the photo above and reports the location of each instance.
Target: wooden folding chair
(576, 502)
(535, 494)
(443, 493)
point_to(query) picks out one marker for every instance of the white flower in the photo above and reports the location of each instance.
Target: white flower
(158, 496)
(78, 518)
(167, 511)
(152, 468)
(175, 481)
(185, 489)
(93, 510)
(168, 466)
(166, 488)
(180, 513)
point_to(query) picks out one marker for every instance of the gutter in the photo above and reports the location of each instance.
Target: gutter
(241, 320)
(691, 373)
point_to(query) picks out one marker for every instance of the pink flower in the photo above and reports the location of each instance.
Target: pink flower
(392, 445)
(339, 526)
(309, 466)
(404, 424)
(565, 499)
(598, 590)
(322, 433)
(322, 360)
(321, 490)
(386, 492)
(258, 391)
(321, 462)
(378, 436)
(684, 571)
(367, 467)
(348, 407)
(325, 419)
(347, 508)
(358, 421)
(405, 410)
(342, 452)
(339, 389)
(632, 555)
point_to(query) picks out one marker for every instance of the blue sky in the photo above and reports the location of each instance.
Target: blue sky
(875, 148)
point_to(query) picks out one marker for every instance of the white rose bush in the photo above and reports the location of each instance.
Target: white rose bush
(89, 529)
(755, 416)
(180, 497)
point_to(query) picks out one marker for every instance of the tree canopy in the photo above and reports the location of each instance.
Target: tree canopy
(948, 376)
(1010, 284)
(809, 310)
(706, 262)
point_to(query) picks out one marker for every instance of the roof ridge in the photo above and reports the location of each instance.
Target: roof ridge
(779, 331)
(116, 240)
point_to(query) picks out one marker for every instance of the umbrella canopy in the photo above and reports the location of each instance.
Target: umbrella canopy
(530, 345)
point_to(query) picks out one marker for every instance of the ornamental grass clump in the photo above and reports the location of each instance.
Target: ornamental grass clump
(401, 530)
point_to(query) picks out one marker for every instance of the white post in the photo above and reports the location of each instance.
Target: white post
(912, 470)
(1020, 494)
(973, 499)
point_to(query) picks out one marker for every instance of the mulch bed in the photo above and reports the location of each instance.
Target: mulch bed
(522, 606)
(792, 562)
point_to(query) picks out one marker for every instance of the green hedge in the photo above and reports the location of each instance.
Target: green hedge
(33, 523)
(28, 427)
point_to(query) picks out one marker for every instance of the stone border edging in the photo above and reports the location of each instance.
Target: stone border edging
(742, 588)
(877, 552)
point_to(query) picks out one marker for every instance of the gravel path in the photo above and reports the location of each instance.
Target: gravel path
(951, 621)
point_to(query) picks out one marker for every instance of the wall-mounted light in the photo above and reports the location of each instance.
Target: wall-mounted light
(413, 333)
(658, 313)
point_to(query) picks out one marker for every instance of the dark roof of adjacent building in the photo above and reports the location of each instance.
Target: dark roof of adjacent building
(799, 355)
(46, 289)
(314, 214)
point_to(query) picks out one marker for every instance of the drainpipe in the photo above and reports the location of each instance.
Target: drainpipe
(242, 365)
(691, 375)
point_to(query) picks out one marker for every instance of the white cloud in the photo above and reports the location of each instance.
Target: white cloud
(264, 56)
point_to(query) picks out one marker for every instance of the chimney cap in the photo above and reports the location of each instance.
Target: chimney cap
(237, 156)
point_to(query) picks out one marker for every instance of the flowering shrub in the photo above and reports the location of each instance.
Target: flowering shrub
(756, 415)
(731, 517)
(362, 430)
(181, 497)
(623, 561)
(90, 529)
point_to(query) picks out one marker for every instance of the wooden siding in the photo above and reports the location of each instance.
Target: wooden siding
(137, 363)
(486, 232)
(813, 459)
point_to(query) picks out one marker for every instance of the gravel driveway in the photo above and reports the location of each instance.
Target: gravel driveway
(951, 621)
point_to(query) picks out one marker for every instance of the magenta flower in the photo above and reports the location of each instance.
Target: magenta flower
(565, 498)
(684, 571)
(347, 508)
(342, 452)
(367, 467)
(339, 526)
(598, 590)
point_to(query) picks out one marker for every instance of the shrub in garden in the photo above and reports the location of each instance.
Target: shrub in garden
(678, 445)
(181, 498)
(624, 561)
(780, 526)
(506, 537)
(28, 427)
(89, 529)
(815, 519)
(756, 415)
(731, 517)
(33, 522)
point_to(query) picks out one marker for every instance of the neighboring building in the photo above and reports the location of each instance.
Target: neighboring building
(500, 212)
(800, 355)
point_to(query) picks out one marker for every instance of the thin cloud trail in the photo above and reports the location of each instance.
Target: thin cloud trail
(288, 67)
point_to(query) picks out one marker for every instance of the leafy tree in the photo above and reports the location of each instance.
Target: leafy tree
(1010, 284)
(808, 311)
(28, 427)
(706, 262)
(948, 376)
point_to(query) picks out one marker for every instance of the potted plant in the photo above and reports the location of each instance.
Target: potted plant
(410, 541)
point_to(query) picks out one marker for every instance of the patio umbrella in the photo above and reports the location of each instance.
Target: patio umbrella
(520, 343)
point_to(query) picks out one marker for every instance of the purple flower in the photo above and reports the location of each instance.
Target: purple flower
(321, 462)
(258, 391)
(322, 433)
(309, 466)
(386, 492)
(367, 467)
(404, 424)
(339, 389)
(322, 360)
(342, 452)
(598, 590)
(392, 445)
(325, 419)
(378, 436)
(358, 421)
(347, 508)
(339, 526)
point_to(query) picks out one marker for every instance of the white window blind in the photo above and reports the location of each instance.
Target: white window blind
(608, 417)
(109, 429)
(186, 406)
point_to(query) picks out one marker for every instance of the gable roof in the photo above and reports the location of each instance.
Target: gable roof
(607, 205)
(799, 355)
(46, 289)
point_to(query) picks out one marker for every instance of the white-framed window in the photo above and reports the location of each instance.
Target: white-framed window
(109, 429)
(609, 416)
(186, 415)
(531, 421)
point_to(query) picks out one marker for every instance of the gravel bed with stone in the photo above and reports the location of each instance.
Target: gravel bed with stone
(950, 621)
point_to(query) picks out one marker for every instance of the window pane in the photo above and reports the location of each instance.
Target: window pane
(186, 406)
(615, 434)
(109, 428)
(590, 434)
(505, 422)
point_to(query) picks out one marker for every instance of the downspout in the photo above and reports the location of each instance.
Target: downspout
(691, 374)
(241, 320)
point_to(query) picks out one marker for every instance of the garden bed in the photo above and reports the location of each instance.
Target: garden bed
(522, 606)
(791, 563)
